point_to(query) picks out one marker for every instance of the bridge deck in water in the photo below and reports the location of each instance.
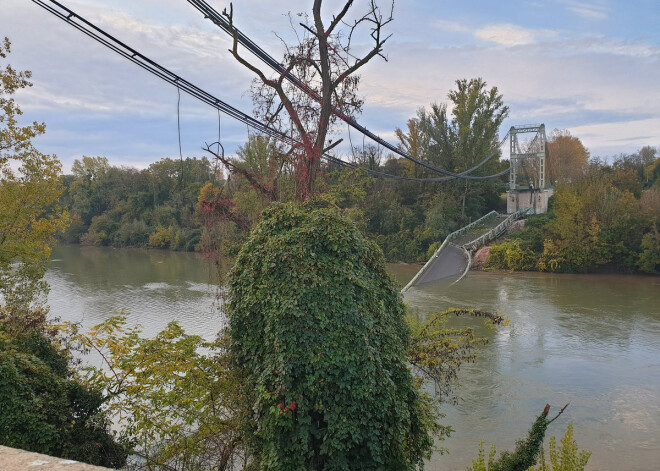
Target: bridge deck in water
(453, 258)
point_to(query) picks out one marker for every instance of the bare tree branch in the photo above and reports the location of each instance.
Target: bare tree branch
(558, 414)
(326, 85)
(338, 19)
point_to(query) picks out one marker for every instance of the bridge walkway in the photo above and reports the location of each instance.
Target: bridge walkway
(453, 257)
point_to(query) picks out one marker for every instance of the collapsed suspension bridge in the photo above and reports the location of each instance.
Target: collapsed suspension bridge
(530, 155)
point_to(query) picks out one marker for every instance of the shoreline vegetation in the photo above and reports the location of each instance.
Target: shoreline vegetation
(603, 219)
(592, 226)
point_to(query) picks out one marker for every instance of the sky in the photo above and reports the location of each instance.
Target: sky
(591, 67)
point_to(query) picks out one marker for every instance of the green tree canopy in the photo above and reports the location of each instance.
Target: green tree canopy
(29, 191)
(45, 410)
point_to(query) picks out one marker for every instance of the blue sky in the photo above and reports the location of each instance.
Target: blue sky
(591, 67)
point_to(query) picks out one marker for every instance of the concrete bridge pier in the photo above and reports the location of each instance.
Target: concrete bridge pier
(534, 199)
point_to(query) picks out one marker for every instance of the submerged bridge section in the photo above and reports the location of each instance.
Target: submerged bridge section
(454, 256)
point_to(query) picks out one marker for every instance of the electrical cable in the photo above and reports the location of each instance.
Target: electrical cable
(178, 127)
(161, 72)
(224, 24)
(219, 131)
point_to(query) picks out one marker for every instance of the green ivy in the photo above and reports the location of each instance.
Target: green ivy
(319, 341)
(566, 457)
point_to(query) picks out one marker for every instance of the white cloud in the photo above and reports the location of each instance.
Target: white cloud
(607, 139)
(450, 26)
(41, 98)
(506, 34)
(633, 48)
(184, 40)
(569, 89)
(588, 10)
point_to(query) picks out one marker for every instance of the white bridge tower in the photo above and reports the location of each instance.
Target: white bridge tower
(528, 188)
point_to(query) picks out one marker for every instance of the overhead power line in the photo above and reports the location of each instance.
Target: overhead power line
(223, 23)
(69, 16)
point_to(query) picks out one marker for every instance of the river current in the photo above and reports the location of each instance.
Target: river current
(591, 340)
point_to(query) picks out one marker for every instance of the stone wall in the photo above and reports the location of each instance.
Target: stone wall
(12, 459)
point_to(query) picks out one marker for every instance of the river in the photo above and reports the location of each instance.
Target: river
(591, 340)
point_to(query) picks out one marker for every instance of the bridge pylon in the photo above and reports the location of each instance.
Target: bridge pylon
(527, 183)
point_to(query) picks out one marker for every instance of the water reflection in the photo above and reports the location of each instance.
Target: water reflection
(89, 284)
(593, 341)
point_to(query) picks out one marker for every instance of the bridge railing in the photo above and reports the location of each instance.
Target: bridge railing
(448, 239)
(474, 244)
(496, 231)
(463, 230)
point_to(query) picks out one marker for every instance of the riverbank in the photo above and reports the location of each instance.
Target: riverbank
(481, 261)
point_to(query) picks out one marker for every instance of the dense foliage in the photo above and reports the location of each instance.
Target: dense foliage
(167, 205)
(565, 457)
(406, 218)
(46, 410)
(125, 207)
(319, 344)
(176, 400)
(173, 396)
(44, 407)
(603, 216)
(29, 214)
(605, 220)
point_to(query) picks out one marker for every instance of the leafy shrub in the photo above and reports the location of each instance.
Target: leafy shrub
(511, 256)
(102, 230)
(552, 257)
(567, 457)
(132, 234)
(75, 230)
(432, 249)
(405, 245)
(534, 233)
(187, 240)
(95, 238)
(441, 218)
(163, 216)
(162, 238)
(47, 412)
(174, 392)
(318, 340)
(480, 463)
(649, 259)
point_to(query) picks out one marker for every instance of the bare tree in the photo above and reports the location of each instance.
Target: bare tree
(327, 68)
(369, 156)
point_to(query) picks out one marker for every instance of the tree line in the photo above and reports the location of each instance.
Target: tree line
(603, 215)
(168, 205)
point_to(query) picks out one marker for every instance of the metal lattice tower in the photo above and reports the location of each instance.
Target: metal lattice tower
(529, 155)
